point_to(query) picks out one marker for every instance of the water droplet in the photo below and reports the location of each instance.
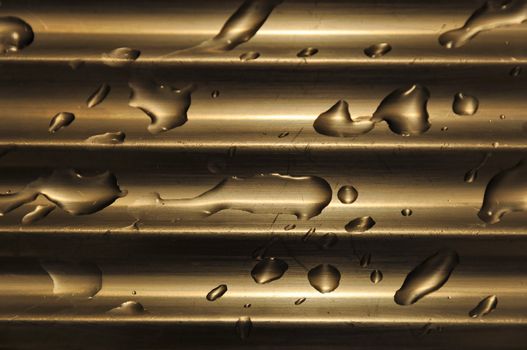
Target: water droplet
(376, 276)
(492, 15)
(484, 307)
(506, 192)
(215, 94)
(40, 212)
(283, 134)
(465, 104)
(217, 292)
(337, 122)
(107, 138)
(268, 270)
(406, 212)
(300, 301)
(166, 107)
(74, 279)
(365, 260)
(427, 277)
(405, 110)
(377, 50)
(307, 52)
(98, 95)
(289, 227)
(69, 190)
(247, 306)
(302, 196)
(347, 194)
(243, 327)
(241, 26)
(309, 233)
(360, 224)
(249, 56)
(325, 278)
(120, 57)
(472, 174)
(15, 34)
(128, 308)
(60, 120)
(76, 64)
(515, 71)
(328, 241)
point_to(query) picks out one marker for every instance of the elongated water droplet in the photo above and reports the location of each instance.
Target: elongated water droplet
(249, 56)
(98, 95)
(376, 276)
(217, 292)
(128, 308)
(405, 110)
(283, 134)
(365, 260)
(74, 279)
(506, 192)
(60, 120)
(243, 327)
(289, 227)
(120, 57)
(472, 174)
(307, 52)
(360, 224)
(309, 233)
(406, 212)
(337, 122)
(427, 277)
(39, 213)
(107, 138)
(325, 278)
(166, 107)
(484, 307)
(465, 104)
(347, 194)
(328, 241)
(300, 301)
(492, 15)
(76, 63)
(515, 71)
(377, 50)
(260, 252)
(15, 34)
(69, 190)
(268, 270)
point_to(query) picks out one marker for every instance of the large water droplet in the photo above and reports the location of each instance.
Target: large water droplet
(217, 292)
(107, 138)
(60, 120)
(337, 122)
(98, 95)
(166, 107)
(427, 277)
(506, 192)
(120, 57)
(40, 212)
(74, 279)
(249, 56)
(268, 270)
(347, 194)
(128, 308)
(360, 224)
(484, 307)
(15, 34)
(376, 276)
(307, 52)
(405, 110)
(492, 15)
(243, 327)
(69, 190)
(377, 50)
(465, 104)
(325, 278)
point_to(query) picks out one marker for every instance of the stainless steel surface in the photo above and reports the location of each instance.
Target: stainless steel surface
(135, 269)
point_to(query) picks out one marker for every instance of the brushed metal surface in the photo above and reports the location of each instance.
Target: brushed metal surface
(136, 272)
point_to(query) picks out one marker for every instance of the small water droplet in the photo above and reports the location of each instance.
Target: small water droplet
(406, 212)
(377, 50)
(307, 52)
(515, 71)
(247, 306)
(289, 227)
(215, 94)
(120, 57)
(444, 128)
(365, 260)
(484, 307)
(268, 270)
(15, 34)
(76, 64)
(324, 277)
(128, 308)
(328, 241)
(40, 212)
(74, 279)
(300, 301)
(283, 134)
(107, 138)
(427, 277)
(502, 116)
(217, 165)
(495, 144)
(472, 174)
(134, 292)
(376, 276)
(60, 120)
(249, 56)
(243, 327)
(98, 95)
(360, 224)
(217, 292)
(465, 104)
(347, 194)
